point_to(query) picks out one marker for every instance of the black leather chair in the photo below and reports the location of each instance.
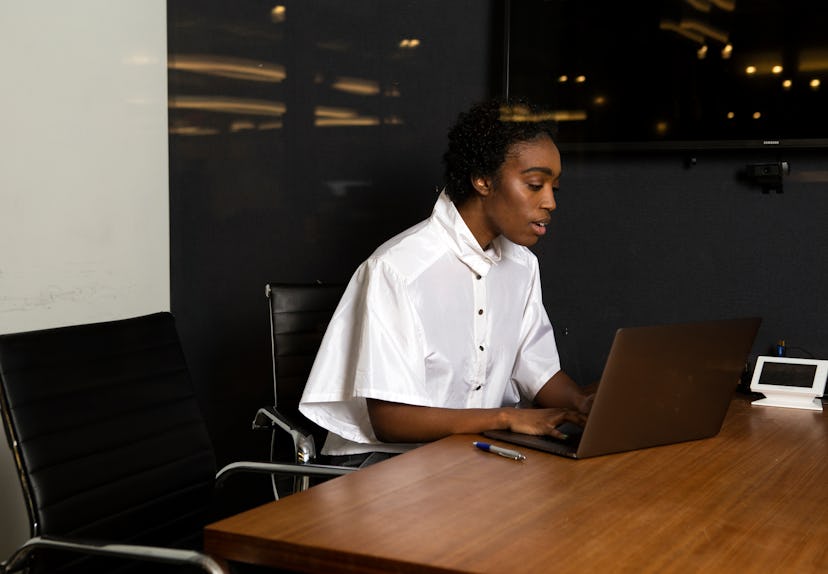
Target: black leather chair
(299, 315)
(112, 450)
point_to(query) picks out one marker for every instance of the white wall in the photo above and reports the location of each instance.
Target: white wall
(84, 226)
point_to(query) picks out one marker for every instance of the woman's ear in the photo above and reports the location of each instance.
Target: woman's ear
(482, 184)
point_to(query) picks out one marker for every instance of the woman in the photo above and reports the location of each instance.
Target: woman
(443, 330)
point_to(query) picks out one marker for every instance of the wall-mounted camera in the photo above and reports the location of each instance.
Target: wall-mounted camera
(768, 176)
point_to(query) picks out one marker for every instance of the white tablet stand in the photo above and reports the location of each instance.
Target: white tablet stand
(790, 382)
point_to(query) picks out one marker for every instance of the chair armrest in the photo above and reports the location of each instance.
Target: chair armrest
(303, 443)
(17, 561)
(320, 470)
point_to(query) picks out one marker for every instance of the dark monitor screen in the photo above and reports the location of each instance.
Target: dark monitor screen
(788, 375)
(674, 73)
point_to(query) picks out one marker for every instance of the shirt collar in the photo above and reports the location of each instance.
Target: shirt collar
(461, 240)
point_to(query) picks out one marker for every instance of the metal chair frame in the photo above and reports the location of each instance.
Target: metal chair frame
(325, 298)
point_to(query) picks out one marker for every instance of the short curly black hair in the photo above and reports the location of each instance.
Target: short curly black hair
(482, 136)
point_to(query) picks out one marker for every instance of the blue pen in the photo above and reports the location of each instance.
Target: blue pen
(513, 454)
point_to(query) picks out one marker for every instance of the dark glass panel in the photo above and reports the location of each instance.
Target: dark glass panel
(659, 72)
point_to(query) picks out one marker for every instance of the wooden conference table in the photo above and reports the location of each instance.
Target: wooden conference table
(754, 498)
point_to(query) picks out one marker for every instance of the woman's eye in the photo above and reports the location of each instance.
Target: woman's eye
(535, 186)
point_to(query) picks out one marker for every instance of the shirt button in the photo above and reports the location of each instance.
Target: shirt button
(478, 387)
(481, 347)
(480, 312)
(479, 277)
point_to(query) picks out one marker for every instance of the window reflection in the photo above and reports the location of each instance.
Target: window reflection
(679, 65)
(211, 91)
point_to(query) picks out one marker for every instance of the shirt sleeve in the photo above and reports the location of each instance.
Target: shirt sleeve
(373, 348)
(537, 358)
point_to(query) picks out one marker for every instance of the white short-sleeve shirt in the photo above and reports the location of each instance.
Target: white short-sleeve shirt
(431, 319)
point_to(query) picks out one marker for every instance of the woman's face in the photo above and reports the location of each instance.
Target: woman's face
(518, 200)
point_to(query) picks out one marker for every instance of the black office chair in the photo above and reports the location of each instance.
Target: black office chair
(299, 316)
(111, 447)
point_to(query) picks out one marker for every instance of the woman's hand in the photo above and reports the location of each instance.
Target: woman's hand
(543, 421)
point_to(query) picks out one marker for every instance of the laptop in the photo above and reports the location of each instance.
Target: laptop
(661, 385)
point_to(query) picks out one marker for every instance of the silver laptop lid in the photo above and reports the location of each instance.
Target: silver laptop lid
(666, 384)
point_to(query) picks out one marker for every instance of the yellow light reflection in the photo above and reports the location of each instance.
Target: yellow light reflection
(678, 29)
(569, 115)
(700, 5)
(277, 125)
(762, 63)
(814, 84)
(225, 67)
(278, 14)
(727, 51)
(726, 5)
(340, 113)
(228, 105)
(346, 122)
(787, 84)
(703, 28)
(242, 125)
(356, 86)
(813, 60)
(705, 5)
(193, 131)
(757, 115)
(325, 116)
(522, 114)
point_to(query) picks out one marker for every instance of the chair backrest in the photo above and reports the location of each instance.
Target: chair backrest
(299, 316)
(107, 432)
